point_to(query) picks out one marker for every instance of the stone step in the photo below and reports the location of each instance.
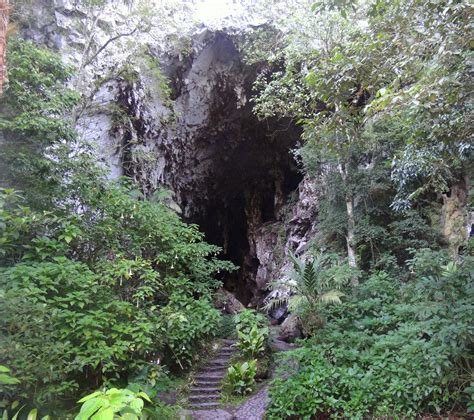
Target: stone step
(204, 405)
(205, 389)
(211, 376)
(216, 368)
(228, 348)
(203, 397)
(223, 355)
(208, 380)
(228, 341)
(219, 362)
(207, 384)
(208, 377)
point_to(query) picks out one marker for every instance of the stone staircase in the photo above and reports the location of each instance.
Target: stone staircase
(206, 390)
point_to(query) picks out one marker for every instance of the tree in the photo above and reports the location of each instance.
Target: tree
(4, 14)
(397, 69)
(330, 105)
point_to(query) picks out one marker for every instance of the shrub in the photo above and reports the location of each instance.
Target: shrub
(184, 323)
(96, 295)
(241, 377)
(107, 404)
(253, 343)
(227, 327)
(247, 319)
(393, 349)
(57, 314)
(252, 333)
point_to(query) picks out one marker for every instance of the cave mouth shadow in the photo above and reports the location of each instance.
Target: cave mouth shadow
(251, 184)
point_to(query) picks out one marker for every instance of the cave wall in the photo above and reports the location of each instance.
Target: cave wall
(233, 175)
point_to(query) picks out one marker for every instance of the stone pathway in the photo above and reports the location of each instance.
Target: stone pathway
(254, 408)
(204, 399)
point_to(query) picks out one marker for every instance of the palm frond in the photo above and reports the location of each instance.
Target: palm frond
(296, 302)
(332, 296)
(309, 278)
(276, 303)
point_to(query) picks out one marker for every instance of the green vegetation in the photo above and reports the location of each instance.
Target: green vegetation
(252, 361)
(391, 349)
(96, 282)
(113, 403)
(106, 293)
(380, 90)
(241, 377)
(252, 334)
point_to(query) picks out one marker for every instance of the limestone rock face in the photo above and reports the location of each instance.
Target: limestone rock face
(170, 107)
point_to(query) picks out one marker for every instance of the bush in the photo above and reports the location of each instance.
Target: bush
(227, 327)
(393, 349)
(247, 319)
(253, 343)
(252, 333)
(106, 404)
(241, 377)
(57, 314)
(184, 323)
(95, 295)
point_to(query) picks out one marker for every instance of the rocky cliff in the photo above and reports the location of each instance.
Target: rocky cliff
(170, 107)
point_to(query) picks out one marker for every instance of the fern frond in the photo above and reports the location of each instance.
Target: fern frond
(275, 303)
(296, 302)
(333, 296)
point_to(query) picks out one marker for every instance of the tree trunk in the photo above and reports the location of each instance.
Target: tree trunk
(351, 252)
(350, 237)
(4, 14)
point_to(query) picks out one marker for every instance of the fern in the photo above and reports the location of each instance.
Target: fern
(276, 303)
(314, 283)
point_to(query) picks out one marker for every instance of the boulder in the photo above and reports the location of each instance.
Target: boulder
(227, 302)
(290, 329)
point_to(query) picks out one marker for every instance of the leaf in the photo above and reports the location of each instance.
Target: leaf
(333, 296)
(137, 405)
(8, 380)
(32, 414)
(89, 408)
(107, 414)
(145, 396)
(90, 396)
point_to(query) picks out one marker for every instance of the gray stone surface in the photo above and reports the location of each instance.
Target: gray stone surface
(254, 407)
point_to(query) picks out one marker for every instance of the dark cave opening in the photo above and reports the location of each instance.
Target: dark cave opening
(243, 169)
(250, 186)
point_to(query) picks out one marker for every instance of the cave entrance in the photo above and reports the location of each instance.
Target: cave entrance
(250, 186)
(238, 172)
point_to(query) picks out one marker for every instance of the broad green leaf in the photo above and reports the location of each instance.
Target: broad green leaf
(137, 405)
(89, 408)
(90, 396)
(32, 414)
(107, 414)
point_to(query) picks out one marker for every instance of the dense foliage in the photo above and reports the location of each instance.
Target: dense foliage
(96, 283)
(103, 291)
(391, 349)
(381, 91)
